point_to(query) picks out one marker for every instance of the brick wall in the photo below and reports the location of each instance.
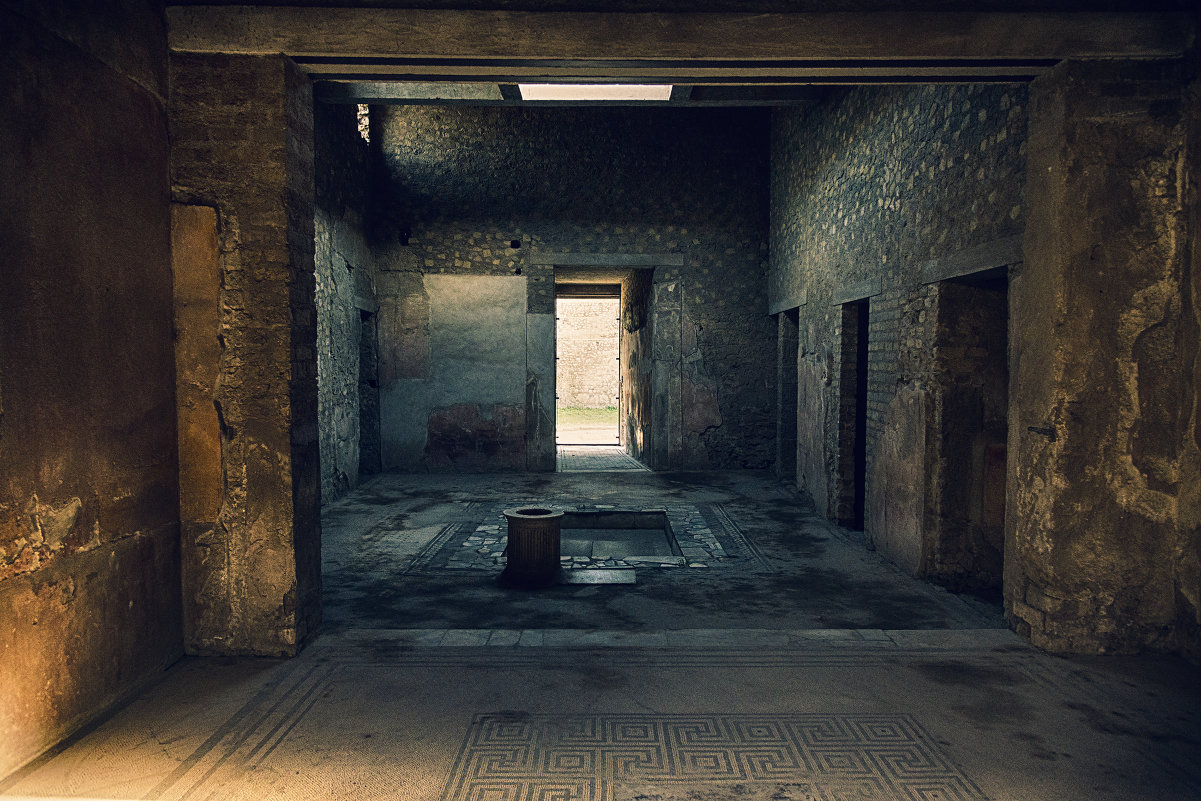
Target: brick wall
(242, 142)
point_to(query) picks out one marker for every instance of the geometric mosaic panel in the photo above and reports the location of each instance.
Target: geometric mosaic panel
(516, 757)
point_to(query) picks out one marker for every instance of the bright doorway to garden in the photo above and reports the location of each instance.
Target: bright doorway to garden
(587, 380)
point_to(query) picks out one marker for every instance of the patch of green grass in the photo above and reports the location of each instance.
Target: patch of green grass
(566, 415)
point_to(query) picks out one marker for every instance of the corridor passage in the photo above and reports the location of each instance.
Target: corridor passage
(772, 657)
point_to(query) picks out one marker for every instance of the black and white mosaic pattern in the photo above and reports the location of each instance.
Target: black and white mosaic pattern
(518, 757)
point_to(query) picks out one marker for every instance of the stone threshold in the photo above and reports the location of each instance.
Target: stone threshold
(715, 639)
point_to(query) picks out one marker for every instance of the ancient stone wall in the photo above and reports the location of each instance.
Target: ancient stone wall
(483, 191)
(586, 332)
(345, 269)
(1101, 539)
(89, 503)
(242, 143)
(867, 189)
(1186, 559)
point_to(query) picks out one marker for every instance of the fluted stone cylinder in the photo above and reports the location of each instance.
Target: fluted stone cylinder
(533, 547)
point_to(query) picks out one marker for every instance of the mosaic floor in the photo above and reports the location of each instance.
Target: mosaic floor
(806, 756)
(895, 716)
(426, 551)
(588, 458)
(706, 535)
(799, 666)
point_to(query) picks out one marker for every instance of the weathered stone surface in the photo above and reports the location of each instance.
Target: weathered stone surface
(540, 392)
(474, 332)
(469, 437)
(1186, 556)
(89, 499)
(465, 184)
(636, 433)
(196, 269)
(787, 362)
(1098, 320)
(404, 327)
(243, 143)
(345, 299)
(867, 188)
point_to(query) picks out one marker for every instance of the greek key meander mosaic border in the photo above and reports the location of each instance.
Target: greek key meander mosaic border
(833, 757)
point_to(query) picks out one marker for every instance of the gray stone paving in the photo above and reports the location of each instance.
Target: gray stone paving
(387, 550)
(484, 548)
(588, 458)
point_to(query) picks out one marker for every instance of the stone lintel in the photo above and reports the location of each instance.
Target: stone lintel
(793, 301)
(396, 33)
(990, 255)
(631, 260)
(857, 291)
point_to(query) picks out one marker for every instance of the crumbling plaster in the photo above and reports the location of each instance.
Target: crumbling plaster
(89, 506)
(242, 143)
(1103, 343)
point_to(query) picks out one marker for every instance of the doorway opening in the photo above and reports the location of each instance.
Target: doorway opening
(971, 384)
(852, 416)
(587, 361)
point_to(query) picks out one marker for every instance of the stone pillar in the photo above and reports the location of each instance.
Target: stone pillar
(539, 364)
(241, 130)
(667, 416)
(1098, 389)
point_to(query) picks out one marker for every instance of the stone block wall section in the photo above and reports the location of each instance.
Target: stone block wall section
(464, 184)
(586, 360)
(1101, 538)
(89, 509)
(242, 143)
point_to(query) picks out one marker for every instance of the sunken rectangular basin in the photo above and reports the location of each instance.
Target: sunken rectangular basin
(639, 536)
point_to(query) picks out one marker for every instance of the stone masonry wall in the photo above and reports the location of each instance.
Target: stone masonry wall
(586, 333)
(89, 495)
(242, 143)
(465, 184)
(345, 269)
(867, 187)
(1100, 544)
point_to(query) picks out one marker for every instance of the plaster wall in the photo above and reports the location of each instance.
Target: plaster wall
(463, 408)
(1101, 539)
(466, 184)
(89, 496)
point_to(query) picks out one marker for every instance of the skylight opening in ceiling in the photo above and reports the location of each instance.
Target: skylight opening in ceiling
(594, 91)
